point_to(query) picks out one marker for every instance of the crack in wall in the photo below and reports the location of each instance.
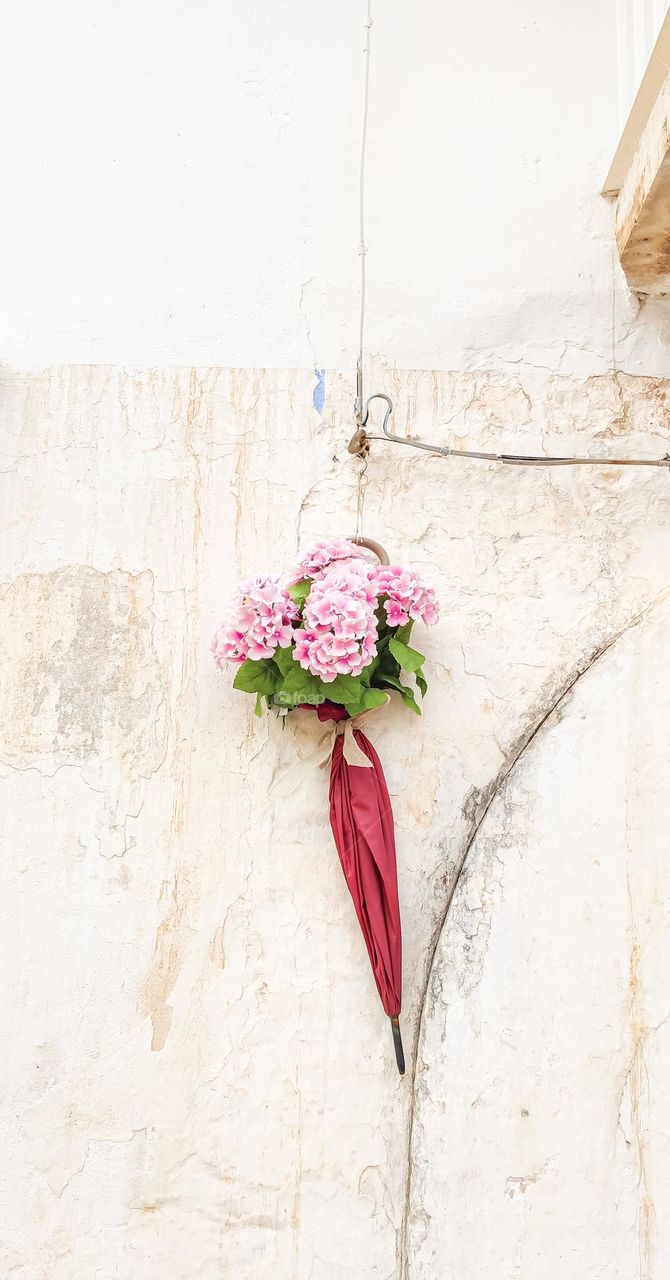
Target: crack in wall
(477, 807)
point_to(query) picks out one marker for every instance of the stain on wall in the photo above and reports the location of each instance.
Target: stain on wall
(81, 679)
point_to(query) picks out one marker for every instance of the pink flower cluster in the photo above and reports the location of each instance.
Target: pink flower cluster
(322, 554)
(340, 631)
(407, 595)
(261, 619)
(336, 631)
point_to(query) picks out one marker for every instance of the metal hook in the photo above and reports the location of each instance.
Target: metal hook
(378, 395)
(360, 441)
(390, 435)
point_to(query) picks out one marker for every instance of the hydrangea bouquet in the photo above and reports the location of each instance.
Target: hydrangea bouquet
(336, 630)
(334, 636)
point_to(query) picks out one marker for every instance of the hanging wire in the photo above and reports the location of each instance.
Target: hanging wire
(362, 247)
(361, 486)
(360, 441)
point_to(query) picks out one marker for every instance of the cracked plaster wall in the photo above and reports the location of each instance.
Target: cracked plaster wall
(197, 1074)
(550, 980)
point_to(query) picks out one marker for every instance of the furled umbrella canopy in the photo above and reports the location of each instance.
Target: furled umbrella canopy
(361, 819)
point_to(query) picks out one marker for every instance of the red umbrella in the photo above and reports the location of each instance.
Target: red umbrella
(361, 819)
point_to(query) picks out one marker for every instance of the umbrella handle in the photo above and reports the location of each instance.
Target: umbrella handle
(373, 546)
(397, 1045)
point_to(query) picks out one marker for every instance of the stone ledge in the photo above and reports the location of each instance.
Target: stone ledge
(642, 220)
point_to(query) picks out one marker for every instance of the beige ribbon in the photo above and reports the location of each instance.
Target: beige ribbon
(351, 750)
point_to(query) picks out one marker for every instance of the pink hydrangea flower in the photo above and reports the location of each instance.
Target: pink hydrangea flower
(395, 614)
(322, 554)
(335, 633)
(327, 656)
(407, 595)
(340, 628)
(261, 618)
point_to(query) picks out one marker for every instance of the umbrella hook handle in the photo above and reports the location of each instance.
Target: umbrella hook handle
(371, 545)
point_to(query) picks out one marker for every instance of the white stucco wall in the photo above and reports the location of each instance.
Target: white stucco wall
(639, 24)
(198, 1074)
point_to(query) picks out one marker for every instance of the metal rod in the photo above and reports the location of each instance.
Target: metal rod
(360, 444)
(526, 460)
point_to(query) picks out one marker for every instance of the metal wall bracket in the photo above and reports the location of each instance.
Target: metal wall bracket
(360, 446)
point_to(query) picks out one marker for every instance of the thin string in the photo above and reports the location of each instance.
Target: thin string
(362, 247)
(361, 486)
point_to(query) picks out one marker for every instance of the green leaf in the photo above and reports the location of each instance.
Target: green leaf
(369, 698)
(393, 681)
(380, 615)
(258, 709)
(409, 659)
(300, 686)
(405, 693)
(387, 666)
(300, 591)
(344, 689)
(409, 699)
(368, 672)
(284, 659)
(403, 633)
(256, 676)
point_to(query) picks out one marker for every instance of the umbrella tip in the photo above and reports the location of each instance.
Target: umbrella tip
(397, 1045)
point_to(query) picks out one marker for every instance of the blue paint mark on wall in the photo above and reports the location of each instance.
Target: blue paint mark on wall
(319, 392)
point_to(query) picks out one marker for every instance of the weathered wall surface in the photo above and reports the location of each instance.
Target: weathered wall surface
(198, 1076)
